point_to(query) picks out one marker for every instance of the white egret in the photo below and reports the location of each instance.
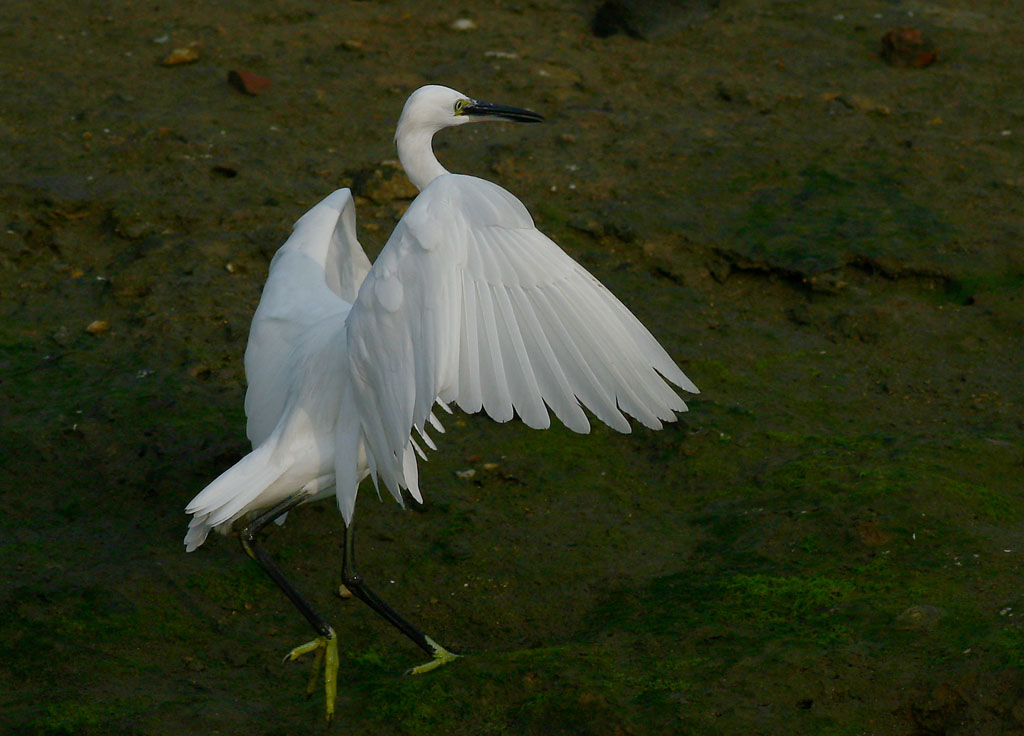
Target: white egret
(467, 303)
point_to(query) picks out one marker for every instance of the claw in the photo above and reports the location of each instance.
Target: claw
(441, 656)
(326, 648)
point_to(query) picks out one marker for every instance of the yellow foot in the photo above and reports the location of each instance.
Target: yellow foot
(326, 648)
(441, 656)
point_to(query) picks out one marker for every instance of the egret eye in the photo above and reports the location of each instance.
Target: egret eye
(458, 106)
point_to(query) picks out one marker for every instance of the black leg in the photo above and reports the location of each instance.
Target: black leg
(326, 643)
(354, 582)
(251, 545)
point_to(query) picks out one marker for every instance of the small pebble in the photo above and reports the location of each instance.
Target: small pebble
(194, 665)
(199, 371)
(247, 82)
(919, 617)
(463, 24)
(97, 327)
(907, 47)
(184, 55)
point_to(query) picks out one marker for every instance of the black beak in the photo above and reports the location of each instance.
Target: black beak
(491, 111)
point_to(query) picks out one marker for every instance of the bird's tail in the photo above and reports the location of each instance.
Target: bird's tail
(227, 497)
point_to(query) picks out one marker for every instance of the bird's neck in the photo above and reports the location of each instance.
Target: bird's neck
(417, 156)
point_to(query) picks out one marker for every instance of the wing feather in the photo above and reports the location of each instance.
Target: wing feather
(526, 394)
(622, 370)
(314, 275)
(478, 307)
(591, 390)
(470, 394)
(551, 379)
(493, 381)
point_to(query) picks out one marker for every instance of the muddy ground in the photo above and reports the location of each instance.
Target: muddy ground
(830, 542)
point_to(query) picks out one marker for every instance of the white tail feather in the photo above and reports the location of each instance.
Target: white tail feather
(227, 497)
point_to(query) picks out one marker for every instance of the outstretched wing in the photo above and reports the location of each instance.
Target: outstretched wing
(469, 302)
(316, 274)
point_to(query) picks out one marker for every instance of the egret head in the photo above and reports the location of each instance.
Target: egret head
(431, 108)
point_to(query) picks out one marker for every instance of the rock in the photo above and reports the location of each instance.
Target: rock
(228, 172)
(248, 83)
(386, 185)
(199, 371)
(183, 55)
(869, 534)
(648, 18)
(907, 47)
(97, 327)
(193, 664)
(62, 336)
(130, 222)
(919, 617)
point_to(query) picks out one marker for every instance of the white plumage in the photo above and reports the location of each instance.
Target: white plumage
(468, 303)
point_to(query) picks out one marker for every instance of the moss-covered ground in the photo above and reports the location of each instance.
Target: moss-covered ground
(830, 542)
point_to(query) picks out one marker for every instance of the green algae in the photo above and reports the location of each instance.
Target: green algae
(826, 219)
